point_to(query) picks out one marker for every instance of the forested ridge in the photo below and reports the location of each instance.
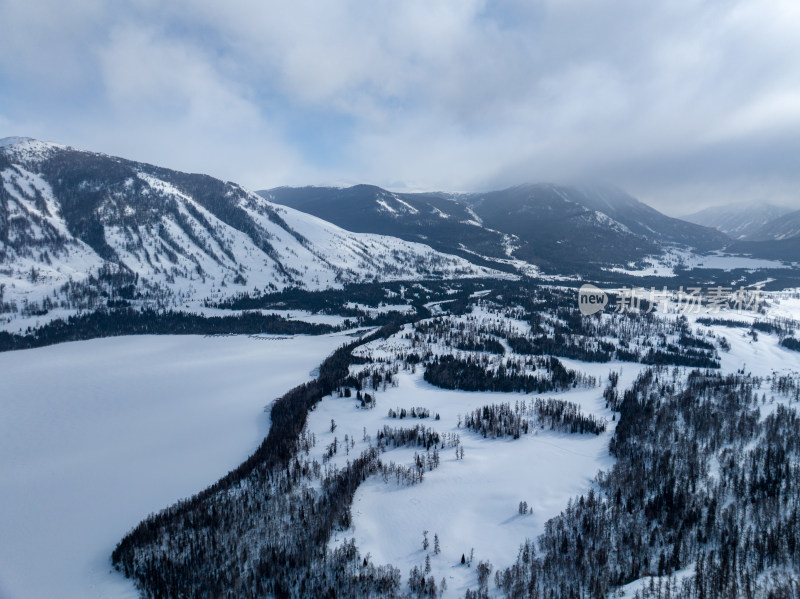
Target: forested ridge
(701, 482)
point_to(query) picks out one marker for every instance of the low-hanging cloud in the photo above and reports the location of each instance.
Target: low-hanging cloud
(681, 103)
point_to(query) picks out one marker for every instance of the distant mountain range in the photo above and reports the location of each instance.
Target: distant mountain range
(750, 222)
(759, 230)
(785, 227)
(778, 239)
(556, 227)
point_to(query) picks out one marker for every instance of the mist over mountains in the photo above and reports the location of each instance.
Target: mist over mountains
(757, 221)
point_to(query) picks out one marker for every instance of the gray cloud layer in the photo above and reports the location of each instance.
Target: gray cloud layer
(683, 104)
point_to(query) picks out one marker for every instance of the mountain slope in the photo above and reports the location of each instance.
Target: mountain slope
(559, 228)
(431, 218)
(787, 226)
(78, 229)
(740, 221)
(774, 249)
(559, 224)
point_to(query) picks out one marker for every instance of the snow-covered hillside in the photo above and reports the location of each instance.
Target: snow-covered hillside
(471, 502)
(739, 221)
(553, 227)
(81, 228)
(787, 226)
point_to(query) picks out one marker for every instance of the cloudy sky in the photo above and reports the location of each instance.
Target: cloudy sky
(683, 104)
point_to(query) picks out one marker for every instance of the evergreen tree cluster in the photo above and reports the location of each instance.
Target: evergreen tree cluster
(501, 420)
(466, 335)
(782, 327)
(701, 480)
(423, 585)
(112, 323)
(557, 328)
(414, 412)
(787, 385)
(469, 374)
(375, 376)
(630, 338)
(791, 343)
(419, 436)
(564, 346)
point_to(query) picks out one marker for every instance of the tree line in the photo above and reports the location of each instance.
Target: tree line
(501, 420)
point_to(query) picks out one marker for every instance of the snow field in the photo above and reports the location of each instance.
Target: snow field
(95, 435)
(469, 503)
(473, 503)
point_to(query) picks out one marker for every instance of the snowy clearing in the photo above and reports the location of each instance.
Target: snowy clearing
(470, 502)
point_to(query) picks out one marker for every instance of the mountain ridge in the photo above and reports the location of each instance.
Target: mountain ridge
(544, 224)
(740, 221)
(77, 224)
(787, 226)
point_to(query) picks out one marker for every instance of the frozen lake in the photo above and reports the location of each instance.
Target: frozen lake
(94, 435)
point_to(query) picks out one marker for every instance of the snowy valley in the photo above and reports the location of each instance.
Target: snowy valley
(404, 476)
(207, 393)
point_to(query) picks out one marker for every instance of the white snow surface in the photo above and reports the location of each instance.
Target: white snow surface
(469, 503)
(95, 435)
(664, 265)
(472, 503)
(121, 427)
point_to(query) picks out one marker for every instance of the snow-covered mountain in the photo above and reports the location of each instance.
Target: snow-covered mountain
(760, 230)
(787, 226)
(557, 227)
(561, 225)
(80, 229)
(437, 219)
(739, 221)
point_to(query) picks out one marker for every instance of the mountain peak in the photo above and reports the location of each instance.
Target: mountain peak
(10, 141)
(549, 225)
(87, 225)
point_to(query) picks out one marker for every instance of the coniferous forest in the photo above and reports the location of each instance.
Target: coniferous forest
(701, 480)
(702, 500)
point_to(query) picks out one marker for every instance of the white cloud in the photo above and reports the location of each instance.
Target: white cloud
(44, 44)
(661, 97)
(145, 73)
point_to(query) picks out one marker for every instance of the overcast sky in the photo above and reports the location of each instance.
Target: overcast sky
(683, 104)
